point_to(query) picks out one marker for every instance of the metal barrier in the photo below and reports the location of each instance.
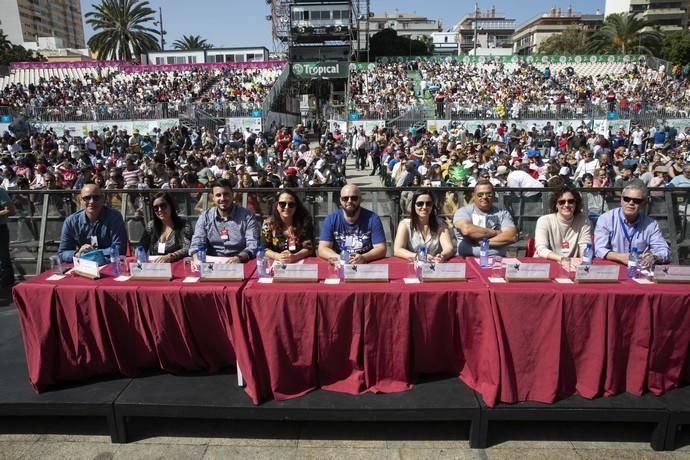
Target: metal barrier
(105, 112)
(35, 230)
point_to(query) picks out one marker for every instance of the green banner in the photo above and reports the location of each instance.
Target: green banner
(327, 69)
(516, 59)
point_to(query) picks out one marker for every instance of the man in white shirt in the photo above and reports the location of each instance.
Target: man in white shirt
(521, 179)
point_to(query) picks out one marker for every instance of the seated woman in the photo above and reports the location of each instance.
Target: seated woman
(287, 235)
(167, 235)
(566, 223)
(424, 227)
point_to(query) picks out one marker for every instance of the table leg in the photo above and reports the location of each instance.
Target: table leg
(240, 378)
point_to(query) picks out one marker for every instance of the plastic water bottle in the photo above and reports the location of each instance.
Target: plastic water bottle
(115, 259)
(421, 260)
(587, 255)
(565, 255)
(201, 257)
(484, 253)
(632, 263)
(344, 260)
(261, 270)
(141, 255)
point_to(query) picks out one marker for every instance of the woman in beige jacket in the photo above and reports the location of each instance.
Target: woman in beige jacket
(566, 231)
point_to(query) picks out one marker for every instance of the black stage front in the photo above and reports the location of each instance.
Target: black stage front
(439, 398)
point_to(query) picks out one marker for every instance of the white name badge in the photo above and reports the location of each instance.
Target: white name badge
(221, 272)
(161, 248)
(364, 272)
(94, 241)
(444, 272)
(672, 274)
(528, 272)
(150, 271)
(596, 273)
(86, 268)
(296, 273)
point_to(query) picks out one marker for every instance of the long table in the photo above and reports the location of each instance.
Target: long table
(77, 328)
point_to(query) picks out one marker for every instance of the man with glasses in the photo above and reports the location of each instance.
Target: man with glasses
(354, 229)
(95, 226)
(226, 230)
(619, 230)
(482, 219)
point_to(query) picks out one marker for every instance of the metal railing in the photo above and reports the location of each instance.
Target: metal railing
(105, 112)
(35, 229)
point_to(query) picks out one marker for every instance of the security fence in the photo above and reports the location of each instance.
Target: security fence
(35, 229)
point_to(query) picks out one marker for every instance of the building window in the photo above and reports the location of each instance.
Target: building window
(192, 60)
(160, 60)
(170, 60)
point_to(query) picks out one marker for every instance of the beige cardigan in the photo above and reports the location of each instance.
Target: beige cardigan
(548, 238)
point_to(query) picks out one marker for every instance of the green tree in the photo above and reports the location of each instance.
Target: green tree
(676, 47)
(191, 42)
(388, 43)
(571, 41)
(16, 53)
(623, 33)
(122, 29)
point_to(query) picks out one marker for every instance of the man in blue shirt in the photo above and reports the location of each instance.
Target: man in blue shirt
(227, 230)
(354, 229)
(6, 209)
(95, 226)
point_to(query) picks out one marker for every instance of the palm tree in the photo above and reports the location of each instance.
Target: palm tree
(571, 41)
(623, 33)
(122, 30)
(191, 42)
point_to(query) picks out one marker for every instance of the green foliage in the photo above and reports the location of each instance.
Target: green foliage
(191, 42)
(122, 29)
(623, 33)
(676, 47)
(571, 41)
(388, 43)
(16, 53)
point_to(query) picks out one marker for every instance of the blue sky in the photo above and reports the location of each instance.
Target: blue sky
(231, 23)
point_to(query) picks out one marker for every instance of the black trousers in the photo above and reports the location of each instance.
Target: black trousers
(6, 271)
(361, 161)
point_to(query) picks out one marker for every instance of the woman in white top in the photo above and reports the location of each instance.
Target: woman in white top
(566, 231)
(423, 227)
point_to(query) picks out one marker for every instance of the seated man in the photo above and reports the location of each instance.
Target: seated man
(94, 227)
(483, 220)
(354, 229)
(227, 230)
(619, 230)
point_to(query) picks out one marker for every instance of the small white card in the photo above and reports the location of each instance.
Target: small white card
(497, 280)
(365, 272)
(122, 278)
(331, 281)
(443, 272)
(86, 268)
(55, 277)
(191, 279)
(527, 272)
(596, 273)
(410, 280)
(265, 280)
(643, 281)
(672, 274)
(217, 259)
(222, 272)
(149, 270)
(564, 281)
(301, 273)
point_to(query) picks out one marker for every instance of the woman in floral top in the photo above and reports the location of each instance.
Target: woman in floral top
(287, 235)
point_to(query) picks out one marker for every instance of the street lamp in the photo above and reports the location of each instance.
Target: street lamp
(160, 24)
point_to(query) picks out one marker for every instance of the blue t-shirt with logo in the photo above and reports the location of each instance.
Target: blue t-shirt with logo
(359, 237)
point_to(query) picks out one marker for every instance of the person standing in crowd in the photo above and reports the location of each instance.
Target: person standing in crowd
(482, 219)
(226, 230)
(621, 229)
(96, 226)
(353, 229)
(565, 224)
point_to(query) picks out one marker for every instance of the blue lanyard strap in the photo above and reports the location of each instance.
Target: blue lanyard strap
(628, 236)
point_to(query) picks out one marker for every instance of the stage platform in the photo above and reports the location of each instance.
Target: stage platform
(436, 398)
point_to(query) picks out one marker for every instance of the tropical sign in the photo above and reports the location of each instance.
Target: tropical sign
(327, 69)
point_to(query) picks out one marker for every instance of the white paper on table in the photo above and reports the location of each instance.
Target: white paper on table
(410, 280)
(55, 277)
(497, 280)
(564, 281)
(122, 278)
(642, 281)
(265, 280)
(217, 260)
(331, 281)
(191, 279)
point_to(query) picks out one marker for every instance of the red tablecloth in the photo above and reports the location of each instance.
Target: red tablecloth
(364, 337)
(76, 328)
(556, 340)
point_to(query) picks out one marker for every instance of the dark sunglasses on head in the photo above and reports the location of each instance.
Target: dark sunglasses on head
(420, 204)
(353, 198)
(160, 207)
(94, 198)
(562, 202)
(628, 199)
(287, 204)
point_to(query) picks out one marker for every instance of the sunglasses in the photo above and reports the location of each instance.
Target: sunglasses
(160, 207)
(427, 204)
(353, 198)
(562, 202)
(94, 198)
(485, 194)
(628, 199)
(287, 204)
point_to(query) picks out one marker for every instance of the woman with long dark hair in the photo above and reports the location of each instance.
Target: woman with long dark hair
(424, 227)
(565, 224)
(287, 235)
(167, 235)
